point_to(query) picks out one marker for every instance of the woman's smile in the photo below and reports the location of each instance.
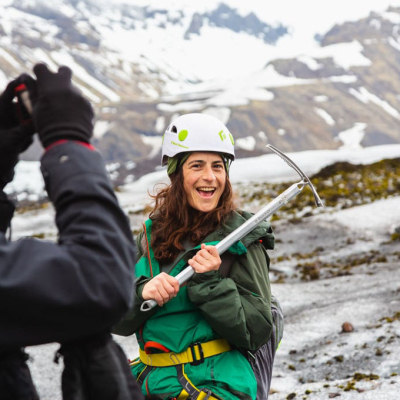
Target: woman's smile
(205, 191)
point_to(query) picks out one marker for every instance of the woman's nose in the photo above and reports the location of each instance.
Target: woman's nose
(208, 174)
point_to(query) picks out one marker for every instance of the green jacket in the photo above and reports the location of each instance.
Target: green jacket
(210, 306)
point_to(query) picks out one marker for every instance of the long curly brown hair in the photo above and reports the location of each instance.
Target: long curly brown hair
(175, 221)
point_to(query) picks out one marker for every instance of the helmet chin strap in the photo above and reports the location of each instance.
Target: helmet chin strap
(227, 162)
(174, 163)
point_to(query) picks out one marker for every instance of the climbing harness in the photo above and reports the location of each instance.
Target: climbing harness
(195, 354)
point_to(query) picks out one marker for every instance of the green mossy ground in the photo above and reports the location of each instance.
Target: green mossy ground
(340, 185)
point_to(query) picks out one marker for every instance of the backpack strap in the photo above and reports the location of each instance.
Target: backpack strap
(189, 390)
(227, 259)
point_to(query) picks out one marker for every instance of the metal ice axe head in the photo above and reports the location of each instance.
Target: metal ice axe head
(305, 180)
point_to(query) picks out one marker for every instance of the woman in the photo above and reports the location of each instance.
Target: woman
(196, 344)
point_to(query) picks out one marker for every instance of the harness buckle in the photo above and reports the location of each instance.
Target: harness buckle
(192, 349)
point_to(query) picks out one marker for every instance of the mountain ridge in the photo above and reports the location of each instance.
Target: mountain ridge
(311, 101)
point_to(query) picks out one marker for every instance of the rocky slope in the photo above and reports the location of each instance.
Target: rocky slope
(356, 262)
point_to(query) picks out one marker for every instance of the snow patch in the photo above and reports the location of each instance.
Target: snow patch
(155, 142)
(160, 124)
(174, 117)
(3, 80)
(9, 58)
(394, 43)
(222, 113)
(311, 63)
(358, 95)
(344, 55)
(27, 178)
(269, 77)
(130, 165)
(63, 58)
(148, 89)
(352, 137)
(376, 24)
(262, 136)
(382, 214)
(101, 128)
(321, 98)
(129, 179)
(365, 96)
(238, 96)
(281, 132)
(325, 116)
(87, 93)
(247, 143)
(343, 79)
(41, 55)
(392, 17)
(109, 110)
(187, 106)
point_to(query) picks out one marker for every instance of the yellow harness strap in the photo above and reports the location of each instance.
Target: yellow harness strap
(194, 354)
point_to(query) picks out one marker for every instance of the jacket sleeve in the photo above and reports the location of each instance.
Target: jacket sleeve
(238, 307)
(134, 318)
(56, 292)
(6, 212)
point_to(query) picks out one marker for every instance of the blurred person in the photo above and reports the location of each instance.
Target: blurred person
(215, 337)
(75, 290)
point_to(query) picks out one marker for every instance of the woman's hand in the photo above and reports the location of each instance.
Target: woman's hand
(206, 259)
(161, 288)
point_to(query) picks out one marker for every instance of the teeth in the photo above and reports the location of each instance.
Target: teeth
(205, 189)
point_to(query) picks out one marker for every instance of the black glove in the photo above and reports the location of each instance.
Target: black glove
(59, 110)
(15, 136)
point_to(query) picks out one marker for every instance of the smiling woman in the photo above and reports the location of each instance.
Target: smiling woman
(196, 344)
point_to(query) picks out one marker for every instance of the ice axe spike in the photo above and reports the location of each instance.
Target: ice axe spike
(253, 222)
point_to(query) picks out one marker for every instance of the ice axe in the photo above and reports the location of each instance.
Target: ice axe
(254, 221)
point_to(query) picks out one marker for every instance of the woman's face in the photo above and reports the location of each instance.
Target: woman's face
(204, 179)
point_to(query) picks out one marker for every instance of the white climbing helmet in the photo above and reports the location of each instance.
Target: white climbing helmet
(196, 132)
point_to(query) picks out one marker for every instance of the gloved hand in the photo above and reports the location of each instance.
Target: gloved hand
(59, 110)
(15, 136)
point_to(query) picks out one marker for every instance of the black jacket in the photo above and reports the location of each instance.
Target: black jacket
(83, 284)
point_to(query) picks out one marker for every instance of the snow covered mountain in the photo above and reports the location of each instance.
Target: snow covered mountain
(256, 67)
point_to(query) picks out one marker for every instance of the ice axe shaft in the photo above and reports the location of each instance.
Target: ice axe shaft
(251, 223)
